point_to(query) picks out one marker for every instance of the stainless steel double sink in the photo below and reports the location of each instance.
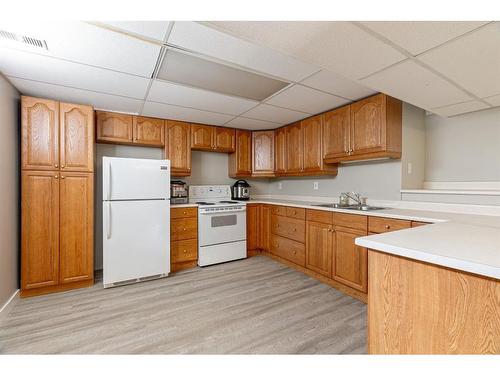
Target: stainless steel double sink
(353, 207)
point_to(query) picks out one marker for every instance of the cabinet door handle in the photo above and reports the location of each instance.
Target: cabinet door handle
(184, 229)
(387, 226)
(56, 165)
(56, 176)
(185, 251)
(63, 177)
(294, 252)
(184, 213)
(62, 166)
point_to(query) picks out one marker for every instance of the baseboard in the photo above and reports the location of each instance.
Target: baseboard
(7, 307)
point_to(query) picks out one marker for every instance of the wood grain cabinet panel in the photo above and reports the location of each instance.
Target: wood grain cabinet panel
(224, 139)
(253, 211)
(418, 224)
(319, 247)
(202, 137)
(294, 229)
(149, 131)
(319, 216)
(240, 161)
(383, 224)
(114, 127)
(295, 149)
(278, 210)
(76, 246)
(280, 153)
(40, 229)
(263, 153)
(296, 213)
(39, 133)
(178, 147)
(336, 128)
(183, 229)
(184, 251)
(288, 249)
(313, 154)
(265, 228)
(181, 212)
(76, 137)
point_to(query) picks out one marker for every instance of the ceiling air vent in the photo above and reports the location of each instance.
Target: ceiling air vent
(32, 42)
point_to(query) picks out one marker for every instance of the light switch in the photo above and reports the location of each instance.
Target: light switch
(409, 168)
(280, 186)
(315, 185)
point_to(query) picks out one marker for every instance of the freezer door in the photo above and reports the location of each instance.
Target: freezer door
(129, 179)
(136, 240)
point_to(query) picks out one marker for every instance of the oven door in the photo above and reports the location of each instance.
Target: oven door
(222, 227)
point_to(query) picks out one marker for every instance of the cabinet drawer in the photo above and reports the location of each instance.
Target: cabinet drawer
(382, 224)
(296, 213)
(183, 229)
(294, 229)
(180, 212)
(288, 249)
(183, 251)
(350, 221)
(319, 216)
(418, 224)
(278, 210)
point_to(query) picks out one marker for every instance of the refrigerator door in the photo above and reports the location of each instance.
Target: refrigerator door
(136, 240)
(131, 179)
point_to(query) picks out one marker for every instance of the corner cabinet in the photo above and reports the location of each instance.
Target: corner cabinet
(178, 147)
(240, 161)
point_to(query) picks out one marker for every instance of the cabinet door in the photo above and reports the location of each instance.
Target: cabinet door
(263, 153)
(280, 151)
(202, 137)
(76, 246)
(313, 155)
(295, 148)
(114, 127)
(368, 125)
(149, 131)
(77, 137)
(319, 247)
(240, 162)
(224, 139)
(336, 127)
(350, 265)
(252, 226)
(178, 147)
(265, 228)
(40, 229)
(39, 134)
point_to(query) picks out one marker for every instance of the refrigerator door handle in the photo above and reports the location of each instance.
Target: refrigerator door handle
(108, 222)
(109, 181)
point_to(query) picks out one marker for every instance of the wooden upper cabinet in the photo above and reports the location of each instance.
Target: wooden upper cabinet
(240, 161)
(367, 126)
(294, 148)
(40, 229)
(114, 127)
(319, 247)
(39, 134)
(336, 128)
(280, 151)
(224, 139)
(202, 137)
(263, 153)
(178, 147)
(76, 244)
(76, 137)
(313, 164)
(149, 131)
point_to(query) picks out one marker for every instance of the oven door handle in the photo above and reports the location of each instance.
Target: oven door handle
(223, 212)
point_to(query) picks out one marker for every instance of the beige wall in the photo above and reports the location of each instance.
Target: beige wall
(9, 190)
(413, 147)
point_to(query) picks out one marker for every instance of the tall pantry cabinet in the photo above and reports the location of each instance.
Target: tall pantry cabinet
(57, 198)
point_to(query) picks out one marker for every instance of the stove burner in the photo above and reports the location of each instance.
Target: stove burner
(233, 202)
(206, 203)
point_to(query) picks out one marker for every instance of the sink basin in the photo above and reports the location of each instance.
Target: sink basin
(354, 207)
(329, 205)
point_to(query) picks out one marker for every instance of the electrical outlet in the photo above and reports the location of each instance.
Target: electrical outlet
(315, 185)
(410, 168)
(280, 186)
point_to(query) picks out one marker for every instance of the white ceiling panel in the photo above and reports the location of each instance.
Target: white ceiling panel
(173, 112)
(251, 124)
(60, 72)
(493, 100)
(419, 36)
(171, 93)
(460, 108)
(271, 113)
(472, 61)
(305, 99)
(341, 47)
(93, 45)
(414, 84)
(336, 84)
(71, 95)
(206, 40)
(151, 29)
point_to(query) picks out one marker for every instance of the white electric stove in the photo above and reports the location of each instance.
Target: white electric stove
(221, 224)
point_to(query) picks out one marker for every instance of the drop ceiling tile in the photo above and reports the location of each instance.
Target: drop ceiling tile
(336, 84)
(305, 99)
(419, 36)
(472, 61)
(151, 29)
(278, 115)
(171, 93)
(341, 47)
(71, 95)
(493, 100)
(60, 72)
(251, 124)
(174, 112)
(203, 39)
(417, 85)
(89, 44)
(459, 108)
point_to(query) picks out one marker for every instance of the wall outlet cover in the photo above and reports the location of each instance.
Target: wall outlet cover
(280, 185)
(315, 185)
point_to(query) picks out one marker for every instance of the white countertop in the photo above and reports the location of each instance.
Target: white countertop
(183, 205)
(467, 242)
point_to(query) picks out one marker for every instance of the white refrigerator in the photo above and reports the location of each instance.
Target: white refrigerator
(136, 220)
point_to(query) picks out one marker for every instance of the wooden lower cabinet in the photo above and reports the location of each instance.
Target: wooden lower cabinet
(253, 211)
(183, 238)
(319, 247)
(264, 242)
(291, 250)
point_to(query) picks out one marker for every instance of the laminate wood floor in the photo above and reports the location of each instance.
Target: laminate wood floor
(252, 306)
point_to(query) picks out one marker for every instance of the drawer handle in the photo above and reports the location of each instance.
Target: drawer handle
(185, 251)
(387, 226)
(184, 229)
(276, 245)
(294, 252)
(184, 213)
(56, 166)
(295, 229)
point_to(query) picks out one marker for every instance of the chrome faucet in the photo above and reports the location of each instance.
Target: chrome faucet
(354, 196)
